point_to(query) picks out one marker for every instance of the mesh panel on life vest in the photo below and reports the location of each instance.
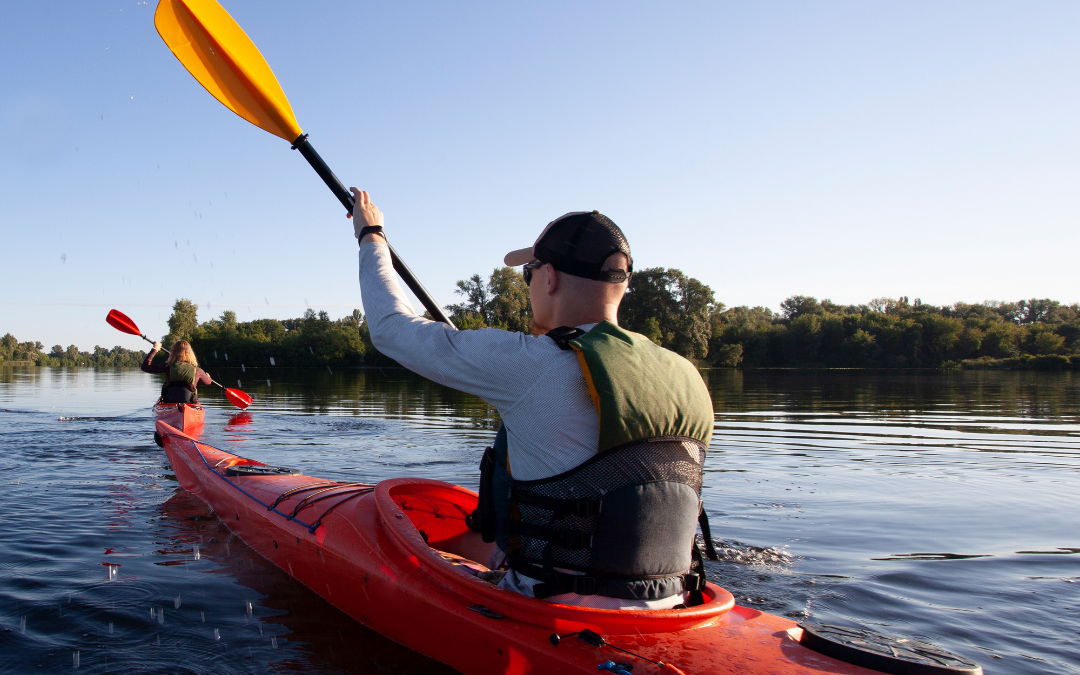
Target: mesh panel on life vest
(663, 459)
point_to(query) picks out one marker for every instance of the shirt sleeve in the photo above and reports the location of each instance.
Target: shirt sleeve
(201, 377)
(497, 365)
(148, 365)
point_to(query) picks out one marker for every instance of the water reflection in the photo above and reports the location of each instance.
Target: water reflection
(283, 611)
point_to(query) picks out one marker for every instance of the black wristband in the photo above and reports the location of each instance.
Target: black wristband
(370, 229)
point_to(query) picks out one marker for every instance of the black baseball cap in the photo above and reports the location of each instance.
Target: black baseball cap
(578, 243)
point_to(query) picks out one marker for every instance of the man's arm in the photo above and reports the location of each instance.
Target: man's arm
(496, 365)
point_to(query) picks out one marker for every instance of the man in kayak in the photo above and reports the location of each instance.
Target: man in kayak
(184, 373)
(592, 489)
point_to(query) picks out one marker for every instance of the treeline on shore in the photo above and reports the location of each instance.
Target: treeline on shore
(682, 314)
(670, 308)
(32, 353)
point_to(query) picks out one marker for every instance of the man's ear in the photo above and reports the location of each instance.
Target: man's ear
(552, 279)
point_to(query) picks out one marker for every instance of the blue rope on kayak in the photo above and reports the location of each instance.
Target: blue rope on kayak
(360, 489)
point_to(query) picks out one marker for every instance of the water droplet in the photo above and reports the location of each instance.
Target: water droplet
(197, 554)
(176, 602)
(243, 369)
(226, 356)
(273, 641)
(268, 383)
(75, 659)
(238, 385)
(217, 635)
(272, 361)
(161, 615)
(330, 371)
(248, 605)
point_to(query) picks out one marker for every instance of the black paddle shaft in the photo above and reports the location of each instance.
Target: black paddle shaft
(345, 197)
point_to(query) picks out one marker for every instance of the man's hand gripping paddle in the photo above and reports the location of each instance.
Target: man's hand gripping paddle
(124, 324)
(217, 52)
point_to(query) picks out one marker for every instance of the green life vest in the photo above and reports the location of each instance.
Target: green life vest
(182, 374)
(640, 389)
(625, 520)
(180, 386)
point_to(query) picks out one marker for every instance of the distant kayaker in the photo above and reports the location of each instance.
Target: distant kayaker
(592, 489)
(184, 373)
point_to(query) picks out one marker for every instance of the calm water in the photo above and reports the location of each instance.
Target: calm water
(934, 505)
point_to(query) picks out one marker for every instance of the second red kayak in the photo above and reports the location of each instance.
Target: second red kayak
(183, 416)
(390, 556)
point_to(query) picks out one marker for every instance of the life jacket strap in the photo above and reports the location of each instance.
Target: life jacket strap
(571, 540)
(554, 582)
(563, 335)
(706, 533)
(585, 508)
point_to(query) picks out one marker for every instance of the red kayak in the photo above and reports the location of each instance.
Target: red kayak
(389, 555)
(184, 416)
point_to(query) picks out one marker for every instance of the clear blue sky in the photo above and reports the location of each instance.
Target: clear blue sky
(846, 150)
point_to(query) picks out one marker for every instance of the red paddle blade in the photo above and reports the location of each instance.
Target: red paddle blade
(238, 398)
(122, 323)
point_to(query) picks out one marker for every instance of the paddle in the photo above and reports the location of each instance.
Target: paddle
(123, 323)
(217, 52)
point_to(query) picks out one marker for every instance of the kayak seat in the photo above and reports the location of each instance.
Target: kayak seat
(471, 566)
(439, 516)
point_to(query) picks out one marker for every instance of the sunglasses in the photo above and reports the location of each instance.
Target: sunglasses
(527, 270)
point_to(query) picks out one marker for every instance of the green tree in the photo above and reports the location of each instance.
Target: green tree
(1046, 342)
(474, 311)
(500, 302)
(681, 308)
(184, 322)
(800, 305)
(228, 321)
(508, 307)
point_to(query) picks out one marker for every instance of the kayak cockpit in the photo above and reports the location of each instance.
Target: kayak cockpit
(427, 521)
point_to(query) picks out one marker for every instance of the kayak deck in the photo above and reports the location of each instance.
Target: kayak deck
(380, 554)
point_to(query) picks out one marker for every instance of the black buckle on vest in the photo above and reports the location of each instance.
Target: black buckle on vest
(574, 540)
(693, 581)
(563, 335)
(587, 508)
(585, 585)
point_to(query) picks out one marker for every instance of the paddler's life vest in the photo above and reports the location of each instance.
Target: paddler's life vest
(623, 523)
(180, 387)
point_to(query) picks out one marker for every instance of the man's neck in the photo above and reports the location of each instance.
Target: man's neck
(578, 319)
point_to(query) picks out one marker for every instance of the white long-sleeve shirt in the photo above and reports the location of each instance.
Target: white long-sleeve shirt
(538, 389)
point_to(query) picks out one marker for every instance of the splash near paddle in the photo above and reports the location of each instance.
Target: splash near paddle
(219, 54)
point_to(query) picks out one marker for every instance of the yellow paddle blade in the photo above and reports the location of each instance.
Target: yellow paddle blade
(217, 52)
